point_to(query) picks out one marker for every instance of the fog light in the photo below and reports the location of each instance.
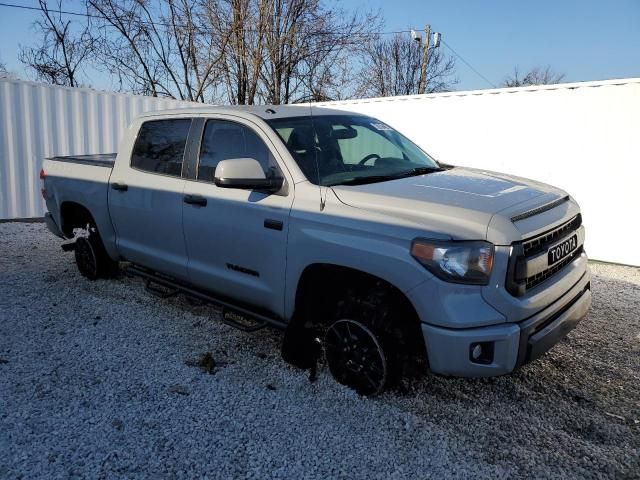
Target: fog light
(476, 352)
(481, 352)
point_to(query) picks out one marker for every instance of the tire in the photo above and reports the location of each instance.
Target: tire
(92, 259)
(383, 322)
(382, 316)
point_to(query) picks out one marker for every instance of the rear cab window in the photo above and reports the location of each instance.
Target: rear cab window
(160, 146)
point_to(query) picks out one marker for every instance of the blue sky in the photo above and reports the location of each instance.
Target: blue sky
(586, 40)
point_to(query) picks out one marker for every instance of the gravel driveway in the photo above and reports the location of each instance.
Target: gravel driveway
(100, 380)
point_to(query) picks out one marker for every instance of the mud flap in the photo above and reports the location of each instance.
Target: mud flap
(300, 347)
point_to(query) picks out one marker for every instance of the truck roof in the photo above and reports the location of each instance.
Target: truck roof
(265, 112)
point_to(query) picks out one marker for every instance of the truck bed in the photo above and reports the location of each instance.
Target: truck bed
(97, 160)
(79, 180)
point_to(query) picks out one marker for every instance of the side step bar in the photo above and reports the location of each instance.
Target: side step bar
(237, 320)
(160, 290)
(233, 315)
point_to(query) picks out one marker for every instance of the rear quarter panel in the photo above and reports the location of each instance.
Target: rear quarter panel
(86, 185)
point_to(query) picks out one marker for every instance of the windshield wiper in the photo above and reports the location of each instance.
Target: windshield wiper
(424, 170)
(381, 178)
(367, 179)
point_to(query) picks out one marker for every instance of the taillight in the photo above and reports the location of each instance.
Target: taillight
(42, 177)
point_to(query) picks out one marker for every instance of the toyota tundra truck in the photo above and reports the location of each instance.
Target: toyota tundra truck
(335, 227)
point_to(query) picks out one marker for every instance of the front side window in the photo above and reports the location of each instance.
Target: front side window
(160, 146)
(226, 140)
(350, 149)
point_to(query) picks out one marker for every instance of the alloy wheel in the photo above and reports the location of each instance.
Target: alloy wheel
(355, 357)
(86, 258)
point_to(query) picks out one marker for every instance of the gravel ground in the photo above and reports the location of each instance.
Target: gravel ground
(97, 381)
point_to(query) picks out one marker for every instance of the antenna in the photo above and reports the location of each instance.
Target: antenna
(323, 201)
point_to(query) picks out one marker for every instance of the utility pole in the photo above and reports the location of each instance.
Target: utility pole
(425, 60)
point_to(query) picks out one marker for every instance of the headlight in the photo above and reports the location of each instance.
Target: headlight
(458, 262)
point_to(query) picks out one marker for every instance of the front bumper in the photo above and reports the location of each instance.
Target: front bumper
(512, 344)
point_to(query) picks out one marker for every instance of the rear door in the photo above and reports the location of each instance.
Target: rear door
(237, 239)
(145, 197)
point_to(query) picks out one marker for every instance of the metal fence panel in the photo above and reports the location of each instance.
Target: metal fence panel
(39, 120)
(582, 137)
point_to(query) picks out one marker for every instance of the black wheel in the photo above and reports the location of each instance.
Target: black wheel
(356, 357)
(92, 259)
(86, 258)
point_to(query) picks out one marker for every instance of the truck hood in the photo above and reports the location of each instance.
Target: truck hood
(459, 203)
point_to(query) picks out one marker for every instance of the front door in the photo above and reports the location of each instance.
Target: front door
(145, 198)
(237, 239)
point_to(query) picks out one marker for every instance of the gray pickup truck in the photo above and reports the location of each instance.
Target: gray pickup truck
(338, 229)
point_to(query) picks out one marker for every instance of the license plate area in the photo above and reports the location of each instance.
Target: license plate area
(562, 250)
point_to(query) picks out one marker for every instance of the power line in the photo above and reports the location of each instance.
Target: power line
(167, 25)
(170, 26)
(29, 7)
(469, 65)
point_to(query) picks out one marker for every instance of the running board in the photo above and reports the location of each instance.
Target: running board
(235, 319)
(159, 290)
(235, 316)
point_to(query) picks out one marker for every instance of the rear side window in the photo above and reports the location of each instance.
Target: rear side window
(225, 140)
(159, 147)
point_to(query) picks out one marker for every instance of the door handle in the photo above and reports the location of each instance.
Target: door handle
(119, 186)
(273, 224)
(195, 200)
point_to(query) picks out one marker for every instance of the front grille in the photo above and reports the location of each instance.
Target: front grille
(527, 249)
(538, 278)
(540, 243)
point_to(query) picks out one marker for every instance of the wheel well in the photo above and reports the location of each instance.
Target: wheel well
(322, 286)
(73, 215)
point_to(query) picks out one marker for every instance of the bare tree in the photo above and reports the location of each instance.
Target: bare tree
(286, 51)
(308, 49)
(237, 51)
(64, 51)
(162, 49)
(4, 73)
(535, 76)
(392, 67)
(198, 51)
(242, 23)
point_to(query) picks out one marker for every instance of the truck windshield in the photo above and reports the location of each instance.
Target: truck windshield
(350, 149)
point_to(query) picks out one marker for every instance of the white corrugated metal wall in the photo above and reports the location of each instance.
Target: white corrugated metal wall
(582, 137)
(39, 120)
